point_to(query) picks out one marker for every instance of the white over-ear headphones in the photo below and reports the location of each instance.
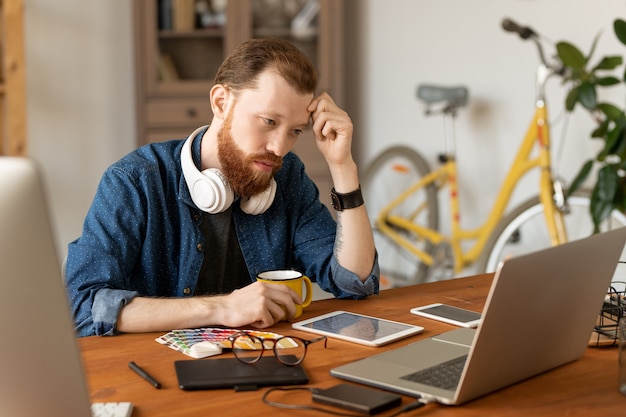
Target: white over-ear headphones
(210, 190)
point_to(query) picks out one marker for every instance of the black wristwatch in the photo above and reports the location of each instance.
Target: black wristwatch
(346, 201)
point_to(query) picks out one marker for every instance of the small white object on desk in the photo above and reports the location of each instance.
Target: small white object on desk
(112, 409)
(204, 349)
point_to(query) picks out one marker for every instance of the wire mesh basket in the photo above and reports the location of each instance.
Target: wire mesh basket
(613, 309)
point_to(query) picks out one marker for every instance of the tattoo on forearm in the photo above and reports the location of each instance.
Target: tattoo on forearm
(338, 236)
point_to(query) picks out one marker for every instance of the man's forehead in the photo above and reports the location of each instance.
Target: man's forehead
(284, 103)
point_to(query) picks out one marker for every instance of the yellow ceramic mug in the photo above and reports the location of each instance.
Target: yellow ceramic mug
(292, 279)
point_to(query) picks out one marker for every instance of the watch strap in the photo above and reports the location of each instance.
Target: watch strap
(346, 201)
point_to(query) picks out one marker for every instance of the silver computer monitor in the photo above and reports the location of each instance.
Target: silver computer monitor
(40, 365)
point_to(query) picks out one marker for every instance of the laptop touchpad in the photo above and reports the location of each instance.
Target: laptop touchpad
(423, 354)
(462, 336)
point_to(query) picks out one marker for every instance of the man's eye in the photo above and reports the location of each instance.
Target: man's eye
(298, 132)
(270, 122)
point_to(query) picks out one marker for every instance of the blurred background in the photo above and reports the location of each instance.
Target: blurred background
(82, 113)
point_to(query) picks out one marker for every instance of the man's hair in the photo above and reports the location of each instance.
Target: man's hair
(242, 67)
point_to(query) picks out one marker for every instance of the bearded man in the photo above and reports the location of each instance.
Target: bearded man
(178, 230)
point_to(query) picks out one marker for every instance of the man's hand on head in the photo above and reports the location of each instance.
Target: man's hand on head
(332, 127)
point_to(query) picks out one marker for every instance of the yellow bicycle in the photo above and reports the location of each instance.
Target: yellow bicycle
(401, 193)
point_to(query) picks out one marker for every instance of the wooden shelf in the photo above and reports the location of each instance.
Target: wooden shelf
(12, 79)
(198, 33)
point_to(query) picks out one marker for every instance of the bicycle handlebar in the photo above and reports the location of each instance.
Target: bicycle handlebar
(526, 33)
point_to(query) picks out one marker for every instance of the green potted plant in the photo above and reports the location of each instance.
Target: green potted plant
(609, 191)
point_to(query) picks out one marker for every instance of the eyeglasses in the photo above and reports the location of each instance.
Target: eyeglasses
(288, 350)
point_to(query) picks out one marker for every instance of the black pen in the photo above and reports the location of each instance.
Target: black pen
(156, 384)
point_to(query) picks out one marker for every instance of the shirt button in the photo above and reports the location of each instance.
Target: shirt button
(199, 247)
(187, 291)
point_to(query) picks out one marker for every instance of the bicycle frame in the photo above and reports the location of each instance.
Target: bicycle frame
(537, 137)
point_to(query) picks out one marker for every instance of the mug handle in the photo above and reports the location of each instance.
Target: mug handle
(309, 291)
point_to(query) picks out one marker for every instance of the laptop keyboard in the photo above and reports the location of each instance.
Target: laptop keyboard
(111, 409)
(445, 375)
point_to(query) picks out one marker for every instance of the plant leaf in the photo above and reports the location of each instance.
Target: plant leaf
(608, 180)
(571, 55)
(593, 46)
(609, 63)
(603, 194)
(620, 200)
(619, 27)
(571, 99)
(611, 111)
(613, 139)
(619, 147)
(607, 81)
(580, 177)
(601, 130)
(587, 95)
(611, 142)
(599, 211)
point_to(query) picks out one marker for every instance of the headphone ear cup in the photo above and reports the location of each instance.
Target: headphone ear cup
(209, 189)
(259, 203)
(211, 192)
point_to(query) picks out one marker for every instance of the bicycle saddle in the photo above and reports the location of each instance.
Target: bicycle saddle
(434, 94)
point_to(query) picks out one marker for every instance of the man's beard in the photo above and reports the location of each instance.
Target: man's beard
(238, 168)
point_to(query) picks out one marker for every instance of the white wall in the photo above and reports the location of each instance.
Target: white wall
(80, 86)
(80, 99)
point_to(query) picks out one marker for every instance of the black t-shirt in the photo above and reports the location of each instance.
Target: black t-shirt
(223, 268)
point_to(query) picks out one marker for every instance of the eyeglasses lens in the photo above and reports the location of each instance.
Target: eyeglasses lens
(247, 348)
(289, 350)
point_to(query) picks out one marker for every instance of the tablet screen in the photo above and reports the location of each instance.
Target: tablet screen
(357, 328)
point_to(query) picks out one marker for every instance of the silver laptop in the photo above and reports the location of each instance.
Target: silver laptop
(539, 314)
(40, 366)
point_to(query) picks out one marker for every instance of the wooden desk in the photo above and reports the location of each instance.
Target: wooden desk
(587, 387)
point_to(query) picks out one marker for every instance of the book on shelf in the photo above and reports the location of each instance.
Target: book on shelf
(179, 15)
(165, 14)
(183, 15)
(167, 69)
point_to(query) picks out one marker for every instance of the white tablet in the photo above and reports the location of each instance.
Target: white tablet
(357, 328)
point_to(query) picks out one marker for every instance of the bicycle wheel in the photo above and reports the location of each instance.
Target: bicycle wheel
(524, 229)
(391, 173)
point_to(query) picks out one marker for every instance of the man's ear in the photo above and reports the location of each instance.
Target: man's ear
(220, 97)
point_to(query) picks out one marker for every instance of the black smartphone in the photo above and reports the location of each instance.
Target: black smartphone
(448, 314)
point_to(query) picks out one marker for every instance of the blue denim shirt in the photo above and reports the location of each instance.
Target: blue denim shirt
(141, 237)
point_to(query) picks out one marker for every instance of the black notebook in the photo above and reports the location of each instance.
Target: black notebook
(231, 373)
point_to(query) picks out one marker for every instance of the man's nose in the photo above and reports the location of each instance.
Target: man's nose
(279, 144)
